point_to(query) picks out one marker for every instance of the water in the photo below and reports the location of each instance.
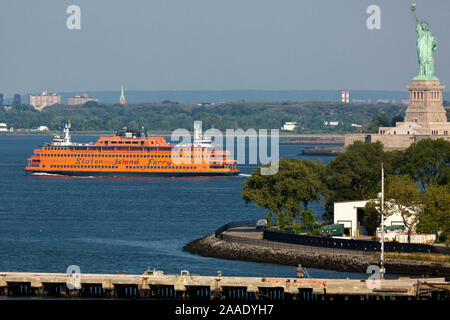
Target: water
(105, 225)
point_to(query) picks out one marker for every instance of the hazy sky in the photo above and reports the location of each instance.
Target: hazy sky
(215, 45)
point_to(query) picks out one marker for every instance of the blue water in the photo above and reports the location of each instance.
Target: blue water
(127, 224)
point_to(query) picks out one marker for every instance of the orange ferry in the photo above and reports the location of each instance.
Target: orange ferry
(130, 153)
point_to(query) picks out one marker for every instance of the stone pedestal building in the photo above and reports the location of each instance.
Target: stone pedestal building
(425, 118)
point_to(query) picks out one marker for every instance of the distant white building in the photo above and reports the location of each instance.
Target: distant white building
(356, 125)
(331, 123)
(351, 215)
(289, 126)
(42, 128)
(3, 127)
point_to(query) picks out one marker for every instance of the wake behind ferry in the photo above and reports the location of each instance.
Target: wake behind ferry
(131, 153)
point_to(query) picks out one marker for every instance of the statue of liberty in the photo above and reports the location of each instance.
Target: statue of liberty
(426, 44)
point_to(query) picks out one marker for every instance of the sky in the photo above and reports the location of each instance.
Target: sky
(215, 45)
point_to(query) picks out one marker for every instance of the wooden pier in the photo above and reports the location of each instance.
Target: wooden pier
(156, 285)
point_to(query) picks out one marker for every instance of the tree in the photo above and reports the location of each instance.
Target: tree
(287, 193)
(265, 192)
(427, 162)
(397, 118)
(379, 120)
(356, 175)
(403, 196)
(436, 212)
(307, 218)
(372, 217)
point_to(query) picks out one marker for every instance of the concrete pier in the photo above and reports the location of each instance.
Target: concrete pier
(157, 285)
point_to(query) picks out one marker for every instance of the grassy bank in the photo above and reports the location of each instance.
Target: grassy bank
(416, 256)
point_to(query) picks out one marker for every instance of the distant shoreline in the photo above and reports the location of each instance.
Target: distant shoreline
(164, 134)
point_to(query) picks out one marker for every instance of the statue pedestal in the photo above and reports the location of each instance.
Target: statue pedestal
(425, 102)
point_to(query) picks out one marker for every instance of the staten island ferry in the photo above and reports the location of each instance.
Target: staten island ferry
(130, 153)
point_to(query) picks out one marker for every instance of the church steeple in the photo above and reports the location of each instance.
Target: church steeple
(122, 97)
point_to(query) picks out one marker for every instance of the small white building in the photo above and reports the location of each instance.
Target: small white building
(351, 215)
(3, 127)
(331, 123)
(289, 126)
(42, 128)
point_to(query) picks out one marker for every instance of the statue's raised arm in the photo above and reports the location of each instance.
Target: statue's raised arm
(413, 11)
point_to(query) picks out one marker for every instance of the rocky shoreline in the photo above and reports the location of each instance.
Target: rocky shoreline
(210, 246)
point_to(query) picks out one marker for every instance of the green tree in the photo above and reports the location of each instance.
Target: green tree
(436, 212)
(372, 216)
(428, 162)
(307, 218)
(379, 120)
(287, 193)
(265, 192)
(356, 174)
(403, 196)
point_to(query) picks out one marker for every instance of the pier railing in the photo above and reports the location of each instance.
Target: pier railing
(274, 244)
(282, 240)
(348, 244)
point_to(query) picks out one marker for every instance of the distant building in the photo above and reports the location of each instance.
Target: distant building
(3, 127)
(42, 128)
(289, 126)
(360, 101)
(81, 99)
(1, 98)
(331, 123)
(39, 102)
(206, 104)
(16, 99)
(122, 97)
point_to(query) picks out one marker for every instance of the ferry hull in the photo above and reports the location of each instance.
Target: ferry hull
(131, 174)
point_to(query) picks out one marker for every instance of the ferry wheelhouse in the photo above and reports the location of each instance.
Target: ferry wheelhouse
(130, 153)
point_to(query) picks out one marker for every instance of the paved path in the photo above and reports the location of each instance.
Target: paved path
(246, 232)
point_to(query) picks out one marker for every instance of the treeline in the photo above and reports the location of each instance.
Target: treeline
(167, 116)
(417, 178)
